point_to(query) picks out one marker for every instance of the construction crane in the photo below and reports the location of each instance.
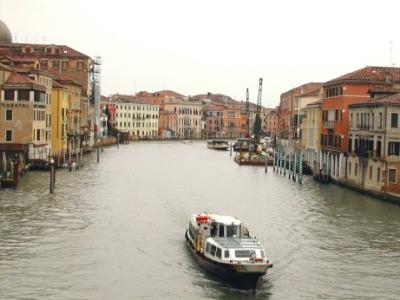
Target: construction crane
(257, 121)
(247, 113)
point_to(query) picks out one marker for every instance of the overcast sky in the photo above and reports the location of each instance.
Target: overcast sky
(214, 46)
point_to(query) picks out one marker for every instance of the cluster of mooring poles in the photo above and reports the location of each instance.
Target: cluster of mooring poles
(290, 164)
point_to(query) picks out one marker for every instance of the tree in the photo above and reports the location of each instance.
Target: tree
(108, 114)
(257, 126)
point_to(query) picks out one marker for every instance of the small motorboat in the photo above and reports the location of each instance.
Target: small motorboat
(218, 144)
(222, 245)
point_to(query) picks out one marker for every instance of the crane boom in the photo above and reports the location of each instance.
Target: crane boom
(257, 121)
(259, 96)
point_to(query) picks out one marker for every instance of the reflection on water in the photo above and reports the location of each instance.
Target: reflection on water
(116, 230)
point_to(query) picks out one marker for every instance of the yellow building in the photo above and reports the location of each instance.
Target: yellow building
(59, 113)
(311, 134)
(74, 130)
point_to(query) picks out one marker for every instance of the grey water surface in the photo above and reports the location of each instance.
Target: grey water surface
(115, 230)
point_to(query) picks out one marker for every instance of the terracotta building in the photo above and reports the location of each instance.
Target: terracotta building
(232, 120)
(289, 109)
(339, 93)
(271, 122)
(213, 119)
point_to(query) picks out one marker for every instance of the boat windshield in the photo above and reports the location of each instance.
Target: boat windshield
(231, 230)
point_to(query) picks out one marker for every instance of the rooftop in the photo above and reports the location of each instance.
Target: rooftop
(369, 74)
(40, 49)
(383, 101)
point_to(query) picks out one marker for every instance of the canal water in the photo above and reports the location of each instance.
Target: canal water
(115, 230)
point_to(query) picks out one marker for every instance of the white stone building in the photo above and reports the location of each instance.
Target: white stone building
(138, 119)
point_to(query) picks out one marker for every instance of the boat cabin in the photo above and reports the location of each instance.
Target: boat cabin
(224, 238)
(233, 249)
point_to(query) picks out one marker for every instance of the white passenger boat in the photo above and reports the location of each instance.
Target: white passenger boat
(218, 144)
(223, 246)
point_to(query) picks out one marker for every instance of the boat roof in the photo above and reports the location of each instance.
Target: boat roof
(226, 220)
(237, 243)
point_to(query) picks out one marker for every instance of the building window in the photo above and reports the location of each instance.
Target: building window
(56, 63)
(378, 175)
(23, 95)
(355, 169)
(394, 148)
(9, 95)
(394, 120)
(9, 114)
(392, 176)
(65, 64)
(349, 168)
(351, 120)
(372, 121)
(38, 134)
(79, 65)
(43, 63)
(370, 172)
(380, 120)
(8, 135)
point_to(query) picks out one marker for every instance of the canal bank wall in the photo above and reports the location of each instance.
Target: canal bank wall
(386, 197)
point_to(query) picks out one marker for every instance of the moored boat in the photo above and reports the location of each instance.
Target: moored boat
(218, 144)
(242, 144)
(223, 246)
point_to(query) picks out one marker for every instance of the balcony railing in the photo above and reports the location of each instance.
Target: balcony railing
(329, 124)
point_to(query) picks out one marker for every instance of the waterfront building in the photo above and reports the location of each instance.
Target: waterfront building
(339, 93)
(75, 133)
(213, 118)
(168, 124)
(231, 120)
(56, 59)
(373, 161)
(59, 118)
(289, 112)
(29, 68)
(301, 101)
(310, 134)
(271, 122)
(133, 116)
(23, 116)
(188, 117)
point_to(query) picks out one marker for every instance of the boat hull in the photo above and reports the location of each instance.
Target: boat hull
(249, 162)
(229, 273)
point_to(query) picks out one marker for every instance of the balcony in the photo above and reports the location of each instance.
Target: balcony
(329, 124)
